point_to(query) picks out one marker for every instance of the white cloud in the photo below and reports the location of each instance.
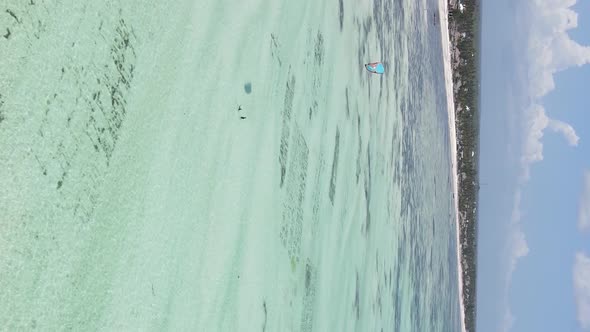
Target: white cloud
(516, 248)
(508, 321)
(532, 151)
(536, 122)
(584, 209)
(549, 50)
(582, 289)
(519, 247)
(566, 130)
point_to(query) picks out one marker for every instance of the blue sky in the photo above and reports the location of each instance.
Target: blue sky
(534, 226)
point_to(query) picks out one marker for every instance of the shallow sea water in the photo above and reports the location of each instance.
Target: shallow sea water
(134, 197)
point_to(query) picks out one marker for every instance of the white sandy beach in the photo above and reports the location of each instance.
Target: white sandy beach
(444, 25)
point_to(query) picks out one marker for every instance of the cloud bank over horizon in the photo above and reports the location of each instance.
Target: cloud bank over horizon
(549, 50)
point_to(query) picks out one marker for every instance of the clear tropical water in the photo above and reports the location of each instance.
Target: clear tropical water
(134, 197)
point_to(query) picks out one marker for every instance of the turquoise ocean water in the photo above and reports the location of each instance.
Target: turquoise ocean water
(133, 197)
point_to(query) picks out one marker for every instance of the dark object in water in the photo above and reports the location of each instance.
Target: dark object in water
(242, 117)
(248, 87)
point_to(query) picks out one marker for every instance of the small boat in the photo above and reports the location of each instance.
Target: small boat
(375, 67)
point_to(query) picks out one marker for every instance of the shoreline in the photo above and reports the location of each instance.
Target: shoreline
(446, 49)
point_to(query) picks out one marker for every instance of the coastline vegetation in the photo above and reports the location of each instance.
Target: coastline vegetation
(464, 28)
